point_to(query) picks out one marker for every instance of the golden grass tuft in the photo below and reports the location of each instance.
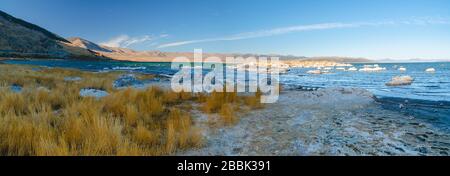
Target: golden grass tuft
(229, 104)
(49, 118)
(214, 102)
(227, 114)
(254, 102)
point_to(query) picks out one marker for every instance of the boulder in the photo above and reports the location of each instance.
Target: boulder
(44, 89)
(69, 79)
(400, 81)
(314, 72)
(353, 69)
(93, 93)
(375, 68)
(430, 70)
(126, 80)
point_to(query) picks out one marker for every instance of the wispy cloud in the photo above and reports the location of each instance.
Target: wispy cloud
(163, 35)
(312, 27)
(116, 41)
(125, 41)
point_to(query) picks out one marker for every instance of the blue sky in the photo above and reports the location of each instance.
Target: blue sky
(376, 29)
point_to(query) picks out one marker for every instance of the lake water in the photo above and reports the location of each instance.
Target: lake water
(427, 86)
(428, 96)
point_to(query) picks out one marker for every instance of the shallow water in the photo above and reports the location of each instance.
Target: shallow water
(427, 98)
(426, 86)
(144, 67)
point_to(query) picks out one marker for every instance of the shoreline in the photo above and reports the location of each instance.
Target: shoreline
(328, 121)
(334, 121)
(165, 60)
(389, 99)
(392, 102)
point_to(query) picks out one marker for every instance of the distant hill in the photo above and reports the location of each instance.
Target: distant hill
(126, 54)
(427, 60)
(19, 38)
(411, 60)
(339, 59)
(82, 43)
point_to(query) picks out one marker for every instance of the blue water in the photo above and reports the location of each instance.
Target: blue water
(428, 97)
(143, 67)
(426, 86)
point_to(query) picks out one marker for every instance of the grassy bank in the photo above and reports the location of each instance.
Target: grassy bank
(49, 117)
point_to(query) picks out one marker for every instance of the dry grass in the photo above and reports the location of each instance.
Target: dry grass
(48, 117)
(254, 102)
(229, 104)
(227, 114)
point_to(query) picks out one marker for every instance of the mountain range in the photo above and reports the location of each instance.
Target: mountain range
(21, 39)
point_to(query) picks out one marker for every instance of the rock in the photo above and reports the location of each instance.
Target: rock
(400, 81)
(156, 79)
(314, 72)
(36, 69)
(45, 89)
(430, 70)
(69, 79)
(16, 88)
(353, 69)
(93, 93)
(372, 68)
(126, 80)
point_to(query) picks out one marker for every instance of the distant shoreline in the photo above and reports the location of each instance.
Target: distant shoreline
(167, 61)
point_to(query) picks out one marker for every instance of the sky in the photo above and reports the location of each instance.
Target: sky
(375, 29)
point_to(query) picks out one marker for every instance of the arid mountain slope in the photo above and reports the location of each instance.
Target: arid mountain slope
(19, 38)
(82, 43)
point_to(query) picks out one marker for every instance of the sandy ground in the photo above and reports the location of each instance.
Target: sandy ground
(325, 122)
